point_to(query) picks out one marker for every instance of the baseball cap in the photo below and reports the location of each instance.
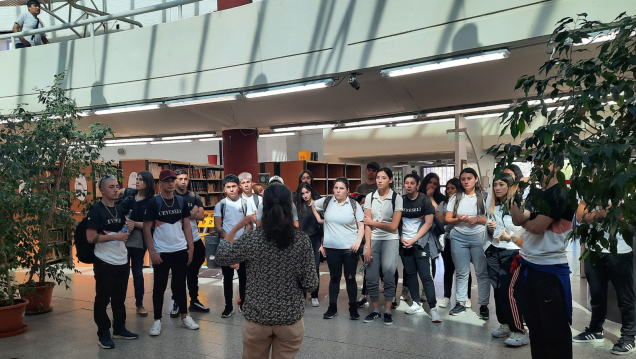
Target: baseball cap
(165, 174)
(276, 178)
(373, 166)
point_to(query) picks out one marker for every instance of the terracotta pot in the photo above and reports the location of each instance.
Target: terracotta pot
(40, 300)
(12, 318)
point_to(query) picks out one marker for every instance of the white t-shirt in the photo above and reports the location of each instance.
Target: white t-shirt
(251, 202)
(382, 211)
(28, 22)
(468, 205)
(233, 214)
(506, 223)
(341, 229)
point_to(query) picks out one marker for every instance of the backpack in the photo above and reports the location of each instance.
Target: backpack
(255, 200)
(392, 200)
(243, 205)
(352, 202)
(85, 250)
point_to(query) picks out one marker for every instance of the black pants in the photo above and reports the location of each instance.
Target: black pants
(316, 242)
(336, 259)
(178, 263)
(541, 301)
(449, 270)
(111, 284)
(193, 270)
(499, 262)
(136, 260)
(619, 269)
(228, 279)
(417, 260)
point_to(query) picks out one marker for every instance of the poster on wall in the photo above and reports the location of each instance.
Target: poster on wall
(132, 180)
(81, 185)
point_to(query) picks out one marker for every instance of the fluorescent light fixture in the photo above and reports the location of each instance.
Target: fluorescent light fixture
(277, 134)
(211, 139)
(204, 99)
(417, 123)
(165, 142)
(188, 136)
(427, 162)
(124, 140)
(488, 115)
(548, 101)
(14, 120)
(561, 108)
(303, 86)
(381, 120)
(469, 110)
(446, 63)
(343, 129)
(303, 127)
(108, 111)
(126, 144)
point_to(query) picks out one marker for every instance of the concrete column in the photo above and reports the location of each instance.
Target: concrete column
(240, 152)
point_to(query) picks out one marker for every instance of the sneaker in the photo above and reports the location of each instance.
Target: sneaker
(174, 313)
(353, 312)
(105, 340)
(416, 308)
(406, 294)
(588, 336)
(241, 308)
(484, 313)
(517, 340)
(435, 317)
(388, 318)
(188, 323)
(502, 332)
(444, 303)
(332, 311)
(468, 304)
(156, 328)
(363, 301)
(371, 317)
(141, 311)
(624, 345)
(227, 312)
(123, 333)
(458, 310)
(394, 305)
(198, 307)
(314, 302)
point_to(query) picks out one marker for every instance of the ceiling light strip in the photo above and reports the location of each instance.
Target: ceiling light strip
(469, 110)
(303, 127)
(168, 142)
(280, 134)
(385, 120)
(124, 140)
(427, 122)
(303, 86)
(343, 129)
(126, 144)
(113, 110)
(203, 100)
(184, 137)
(210, 139)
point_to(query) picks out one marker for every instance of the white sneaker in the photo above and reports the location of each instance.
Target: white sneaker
(314, 302)
(444, 303)
(517, 340)
(468, 305)
(156, 328)
(416, 308)
(502, 332)
(435, 318)
(188, 323)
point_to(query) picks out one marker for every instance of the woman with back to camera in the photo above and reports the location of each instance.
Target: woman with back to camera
(311, 223)
(344, 230)
(280, 268)
(144, 191)
(466, 210)
(449, 266)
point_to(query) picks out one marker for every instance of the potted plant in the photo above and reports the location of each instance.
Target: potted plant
(54, 152)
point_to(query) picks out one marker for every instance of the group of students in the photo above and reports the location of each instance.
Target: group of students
(515, 249)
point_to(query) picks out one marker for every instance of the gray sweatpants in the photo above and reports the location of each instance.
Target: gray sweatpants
(385, 253)
(467, 249)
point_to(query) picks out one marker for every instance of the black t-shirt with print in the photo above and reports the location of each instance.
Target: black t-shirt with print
(191, 199)
(413, 213)
(106, 220)
(168, 219)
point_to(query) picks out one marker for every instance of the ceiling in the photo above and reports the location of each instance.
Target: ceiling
(459, 86)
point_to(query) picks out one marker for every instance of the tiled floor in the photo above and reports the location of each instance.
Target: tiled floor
(69, 331)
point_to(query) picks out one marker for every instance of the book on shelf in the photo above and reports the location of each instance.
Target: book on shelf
(214, 173)
(156, 168)
(198, 186)
(203, 200)
(214, 187)
(197, 173)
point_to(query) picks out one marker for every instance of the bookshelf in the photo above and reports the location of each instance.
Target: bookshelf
(325, 173)
(206, 180)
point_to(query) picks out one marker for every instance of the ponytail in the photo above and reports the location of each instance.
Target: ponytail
(277, 219)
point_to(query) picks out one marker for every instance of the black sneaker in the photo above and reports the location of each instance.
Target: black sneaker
(353, 312)
(458, 310)
(388, 319)
(227, 312)
(105, 341)
(174, 313)
(623, 346)
(124, 333)
(332, 311)
(198, 307)
(588, 336)
(371, 317)
(394, 305)
(363, 302)
(484, 313)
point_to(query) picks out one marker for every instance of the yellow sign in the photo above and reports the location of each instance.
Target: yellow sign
(208, 219)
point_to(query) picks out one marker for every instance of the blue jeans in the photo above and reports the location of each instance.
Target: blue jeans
(136, 258)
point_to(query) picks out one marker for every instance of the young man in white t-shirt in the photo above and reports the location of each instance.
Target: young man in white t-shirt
(252, 198)
(29, 21)
(227, 213)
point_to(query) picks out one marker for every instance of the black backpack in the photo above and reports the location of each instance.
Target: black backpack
(85, 250)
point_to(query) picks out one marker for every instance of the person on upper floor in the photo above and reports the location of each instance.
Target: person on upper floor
(29, 21)
(370, 184)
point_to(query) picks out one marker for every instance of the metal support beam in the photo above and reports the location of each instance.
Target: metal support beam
(87, 9)
(60, 19)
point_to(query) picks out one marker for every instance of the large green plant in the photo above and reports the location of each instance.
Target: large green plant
(594, 127)
(51, 152)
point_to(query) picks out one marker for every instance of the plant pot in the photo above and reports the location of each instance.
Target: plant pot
(40, 300)
(12, 319)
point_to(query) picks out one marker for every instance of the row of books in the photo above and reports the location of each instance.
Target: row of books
(205, 187)
(156, 168)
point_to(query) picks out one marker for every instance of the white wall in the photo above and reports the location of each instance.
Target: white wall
(281, 149)
(188, 152)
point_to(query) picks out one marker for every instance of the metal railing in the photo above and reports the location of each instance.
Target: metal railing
(99, 19)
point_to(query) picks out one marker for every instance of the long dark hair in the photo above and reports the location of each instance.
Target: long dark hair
(300, 202)
(455, 182)
(516, 170)
(437, 195)
(481, 208)
(298, 192)
(277, 219)
(149, 180)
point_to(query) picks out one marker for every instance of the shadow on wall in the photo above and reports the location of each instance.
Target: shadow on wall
(466, 38)
(97, 95)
